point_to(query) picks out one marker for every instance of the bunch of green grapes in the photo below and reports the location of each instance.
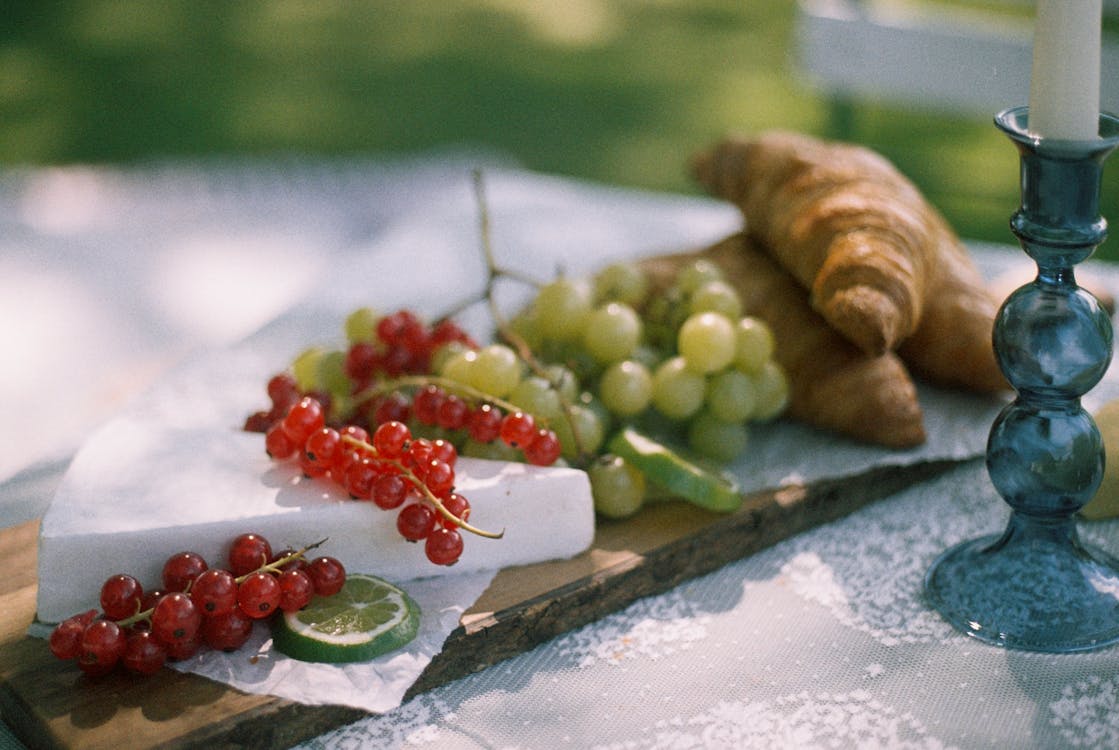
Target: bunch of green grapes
(683, 362)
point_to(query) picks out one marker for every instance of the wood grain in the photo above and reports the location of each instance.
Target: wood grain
(49, 704)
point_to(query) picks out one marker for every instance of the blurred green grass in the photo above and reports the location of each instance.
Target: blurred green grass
(613, 91)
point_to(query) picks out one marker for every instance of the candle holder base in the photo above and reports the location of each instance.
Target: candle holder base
(1034, 588)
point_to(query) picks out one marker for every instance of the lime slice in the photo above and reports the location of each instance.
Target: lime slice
(686, 479)
(367, 618)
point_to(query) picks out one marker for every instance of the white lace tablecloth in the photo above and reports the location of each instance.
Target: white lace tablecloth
(822, 641)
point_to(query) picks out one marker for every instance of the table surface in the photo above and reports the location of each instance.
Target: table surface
(822, 640)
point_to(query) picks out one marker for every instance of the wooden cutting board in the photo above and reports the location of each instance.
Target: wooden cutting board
(50, 704)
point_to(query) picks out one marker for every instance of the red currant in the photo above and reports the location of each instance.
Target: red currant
(544, 449)
(143, 653)
(304, 417)
(452, 413)
(458, 506)
(66, 638)
(389, 491)
(101, 647)
(319, 450)
(484, 423)
(247, 553)
(327, 575)
(277, 443)
(296, 590)
(359, 477)
(391, 438)
(444, 450)
(439, 477)
(259, 594)
(394, 407)
(227, 632)
(121, 596)
(175, 618)
(214, 592)
(443, 546)
(518, 429)
(180, 569)
(425, 405)
(415, 521)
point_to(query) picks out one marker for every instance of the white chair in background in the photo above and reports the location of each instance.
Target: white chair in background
(926, 55)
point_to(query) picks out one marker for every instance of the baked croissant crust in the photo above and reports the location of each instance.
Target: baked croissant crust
(832, 384)
(882, 266)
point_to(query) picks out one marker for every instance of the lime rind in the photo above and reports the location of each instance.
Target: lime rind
(368, 618)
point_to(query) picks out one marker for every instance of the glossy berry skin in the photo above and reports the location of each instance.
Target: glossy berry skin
(296, 590)
(227, 632)
(121, 596)
(66, 638)
(304, 417)
(327, 575)
(518, 429)
(143, 653)
(214, 592)
(390, 439)
(175, 619)
(102, 646)
(544, 449)
(181, 569)
(247, 553)
(415, 521)
(443, 546)
(259, 595)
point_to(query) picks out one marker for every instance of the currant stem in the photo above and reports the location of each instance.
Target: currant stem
(428, 494)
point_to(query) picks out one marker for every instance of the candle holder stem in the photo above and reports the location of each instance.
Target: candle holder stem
(1036, 586)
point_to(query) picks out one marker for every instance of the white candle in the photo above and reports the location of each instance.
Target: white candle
(1065, 82)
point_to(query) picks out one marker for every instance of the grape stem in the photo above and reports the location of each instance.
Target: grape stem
(418, 484)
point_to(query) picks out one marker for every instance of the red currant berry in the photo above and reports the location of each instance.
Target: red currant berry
(389, 491)
(394, 407)
(304, 417)
(458, 506)
(179, 650)
(121, 596)
(518, 429)
(151, 598)
(362, 360)
(319, 450)
(391, 438)
(259, 594)
(453, 413)
(227, 632)
(247, 553)
(214, 592)
(359, 477)
(66, 638)
(296, 563)
(101, 647)
(143, 653)
(283, 391)
(484, 423)
(175, 618)
(415, 521)
(443, 546)
(444, 450)
(419, 456)
(327, 575)
(544, 449)
(296, 590)
(277, 443)
(439, 477)
(425, 405)
(180, 569)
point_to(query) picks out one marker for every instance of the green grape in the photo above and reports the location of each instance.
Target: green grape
(524, 324)
(712, 437)
(612, 332)
(536, 396)
(305, 368)
(626, 388)
(331, 375)
(562, 306)
(496, 370)
(444, 353)
(773, 391)
(695, 275)
(459, 366)
(663, 316)
(617, 487)
(621, 282)
(706, 342)
(716, 296)
(588, 400)
(753, 345)
(677, 391)
(731, 396)
(498, 450)
(361, 324)
(563, 380)
(582, 421)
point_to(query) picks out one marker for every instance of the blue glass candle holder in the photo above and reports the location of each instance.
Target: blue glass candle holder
(1036, 586)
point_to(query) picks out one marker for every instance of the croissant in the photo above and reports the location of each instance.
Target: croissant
(832, 384)
(881, 264)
